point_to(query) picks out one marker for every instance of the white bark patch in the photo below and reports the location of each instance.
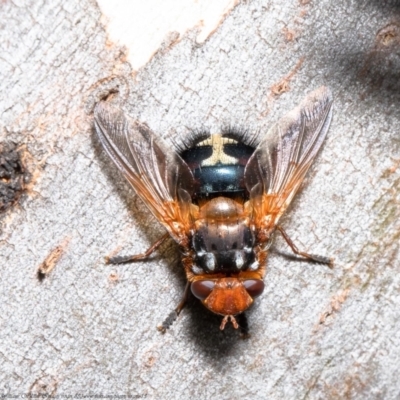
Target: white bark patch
(142, 26)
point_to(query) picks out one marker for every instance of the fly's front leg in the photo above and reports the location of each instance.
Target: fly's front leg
(319, 259)
(243, 325)
(174, 314)
(137, 257)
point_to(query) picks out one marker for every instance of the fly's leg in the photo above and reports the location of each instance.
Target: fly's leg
(243, 325)
(137, 257)
(174, 314)
(319, 259)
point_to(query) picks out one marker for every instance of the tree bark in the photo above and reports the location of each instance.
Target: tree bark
(90, 328)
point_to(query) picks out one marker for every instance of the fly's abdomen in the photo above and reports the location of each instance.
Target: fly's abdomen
(218, 164)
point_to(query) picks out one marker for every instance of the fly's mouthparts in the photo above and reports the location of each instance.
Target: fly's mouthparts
(226, 319)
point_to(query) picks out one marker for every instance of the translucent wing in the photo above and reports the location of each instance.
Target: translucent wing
(280, 162)
(158, 175)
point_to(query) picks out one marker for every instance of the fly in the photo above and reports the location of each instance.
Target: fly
(220, 198)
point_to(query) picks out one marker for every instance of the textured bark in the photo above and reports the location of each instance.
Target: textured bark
(87, 327)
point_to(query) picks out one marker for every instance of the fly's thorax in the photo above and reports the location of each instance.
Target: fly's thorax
(222, 241)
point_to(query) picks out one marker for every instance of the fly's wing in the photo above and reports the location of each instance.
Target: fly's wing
(158, 175)
(280, 162)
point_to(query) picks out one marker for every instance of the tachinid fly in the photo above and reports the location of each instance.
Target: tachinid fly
(220, 198)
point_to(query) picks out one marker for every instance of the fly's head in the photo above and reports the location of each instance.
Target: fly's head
(227, 296)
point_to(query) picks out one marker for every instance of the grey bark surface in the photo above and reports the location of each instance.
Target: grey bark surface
(90, 328)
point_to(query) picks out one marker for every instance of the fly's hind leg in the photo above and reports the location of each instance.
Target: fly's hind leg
(137, 257)
(319, 259)
(175, 313)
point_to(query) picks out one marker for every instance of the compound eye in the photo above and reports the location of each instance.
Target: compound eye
(202, 289)
(254, 287)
